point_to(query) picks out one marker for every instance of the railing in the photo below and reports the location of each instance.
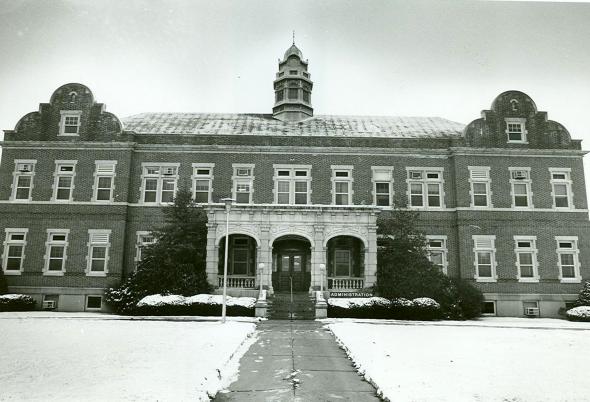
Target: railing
(247, 282)
(345, 283)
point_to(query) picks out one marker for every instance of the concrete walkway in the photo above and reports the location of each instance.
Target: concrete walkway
(296, 361)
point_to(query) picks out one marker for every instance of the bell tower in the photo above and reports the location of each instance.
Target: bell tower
(292, 87)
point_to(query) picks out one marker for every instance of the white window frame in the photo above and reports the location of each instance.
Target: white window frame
(49, 243)
(140, 243)
(62, 123)
(20, 172)
(523, 133)
(159, 177)
(104, 169)
(490, 249)
(382, 174)
(337, 169)
(532, 249)
(93, 242)
(196, 176)
(567, 181)
(443, 250)
(8, 232)
(495, 308)
(482, 178)
(292, 178)
(58, 173)
(575, 251)
(527, 182)
(239, 178)
(424, 181)
(93, 308)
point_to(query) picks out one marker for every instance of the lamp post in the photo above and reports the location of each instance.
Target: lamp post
(228, 202)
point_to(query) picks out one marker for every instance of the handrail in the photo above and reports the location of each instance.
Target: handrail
(291, 304)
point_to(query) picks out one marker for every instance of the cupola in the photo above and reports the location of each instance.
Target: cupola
(292, 87)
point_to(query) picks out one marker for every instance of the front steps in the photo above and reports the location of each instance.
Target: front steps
(281, 308)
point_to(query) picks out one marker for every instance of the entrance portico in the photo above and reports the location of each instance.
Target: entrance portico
(296, 242)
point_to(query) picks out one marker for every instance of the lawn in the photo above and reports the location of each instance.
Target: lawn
(90, 358)
(492, 360)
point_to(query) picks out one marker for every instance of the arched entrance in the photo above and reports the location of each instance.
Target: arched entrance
(241, 261)
(291, 263)
(346, 263)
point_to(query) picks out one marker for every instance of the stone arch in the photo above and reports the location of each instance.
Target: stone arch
(221, 235)
(277, 236)
(344, 232)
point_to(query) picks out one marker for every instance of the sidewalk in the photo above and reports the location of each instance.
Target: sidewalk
(296, 361)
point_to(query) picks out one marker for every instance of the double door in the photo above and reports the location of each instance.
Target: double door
(291, 271)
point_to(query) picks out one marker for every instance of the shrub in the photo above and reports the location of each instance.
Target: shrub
(3, 284)
(580, 313)
(16, 302)
(584, 295)
(201, 305)
(465, 300)
(378, 307)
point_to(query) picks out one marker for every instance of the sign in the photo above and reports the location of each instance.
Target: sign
(350, 294)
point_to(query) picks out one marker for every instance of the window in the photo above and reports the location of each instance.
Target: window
(292, 72)
(243, 180)
(292, 184)
(55, 251)
(159, 182)
(525, 250)
(22, 182)
(241, 256)
(306, 96)
(437, 251)
(382, 185)
(515, 130)
(202, 182)
(280, 95)
(50, 302)
(479, 180)
(342, 185)
(63, 185)
(93, 302)
(425, 187)
(568, 259)
(342, 262)
(144, 239)
(70, 122)
(488, 308)
(293, 93)
(520, 183)
(530, 308)
(561, 186)
(14, 250)
(98, 252)
(484, 258)
(104, 177)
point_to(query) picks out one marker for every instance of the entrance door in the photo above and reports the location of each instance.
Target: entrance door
(291, 269)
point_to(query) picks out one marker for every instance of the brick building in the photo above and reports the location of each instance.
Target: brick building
(502, 200)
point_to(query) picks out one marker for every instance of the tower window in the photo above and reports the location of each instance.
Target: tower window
(293, 93)
(305, 96)
(280, 95)
(292, 72)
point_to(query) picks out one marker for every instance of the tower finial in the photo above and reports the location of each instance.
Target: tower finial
(293, 36)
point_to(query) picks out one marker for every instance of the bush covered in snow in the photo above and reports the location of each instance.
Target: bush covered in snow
(422, 308)
(16, 302)
(174, 264)
(201, 304)
(580, 313)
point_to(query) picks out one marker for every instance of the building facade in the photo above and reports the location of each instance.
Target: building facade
(502, 200)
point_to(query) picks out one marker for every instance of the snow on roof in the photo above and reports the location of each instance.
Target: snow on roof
(265, 124)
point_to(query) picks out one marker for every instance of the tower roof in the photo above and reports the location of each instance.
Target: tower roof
(293, 50)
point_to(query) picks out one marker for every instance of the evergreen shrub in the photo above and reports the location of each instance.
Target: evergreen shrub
(16, 302)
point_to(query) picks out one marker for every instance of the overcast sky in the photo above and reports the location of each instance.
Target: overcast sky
(420, 58)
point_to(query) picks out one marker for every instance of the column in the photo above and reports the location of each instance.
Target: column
(212, 258)
(371, 256)
(318, 257)
(264, 256)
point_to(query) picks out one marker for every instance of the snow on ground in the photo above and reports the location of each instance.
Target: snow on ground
(489, 360)
(65, 357)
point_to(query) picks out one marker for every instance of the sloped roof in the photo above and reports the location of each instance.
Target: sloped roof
(263, 124)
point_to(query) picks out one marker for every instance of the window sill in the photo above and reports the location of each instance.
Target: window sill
(53, 273)
(570, 280)
(528, 280)
(22, 201)
(96, 274)
(486, 280)
(68, 135)
(15, 273)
